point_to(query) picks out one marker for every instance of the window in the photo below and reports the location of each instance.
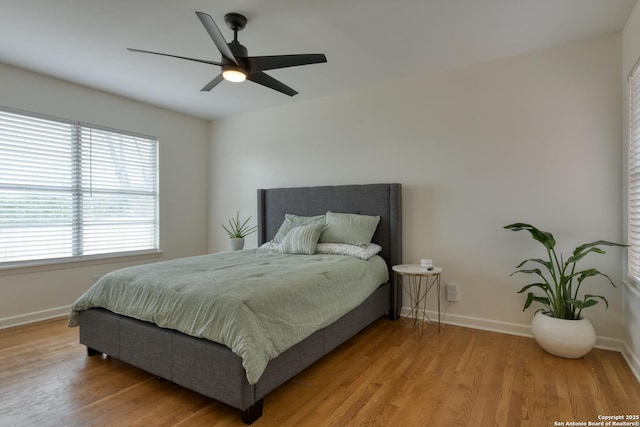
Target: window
(633, 172)
(70, 190)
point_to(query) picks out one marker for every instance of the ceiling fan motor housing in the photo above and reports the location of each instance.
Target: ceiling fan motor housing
(240, 52)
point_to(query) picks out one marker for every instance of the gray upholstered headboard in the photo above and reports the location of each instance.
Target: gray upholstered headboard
(371, 199)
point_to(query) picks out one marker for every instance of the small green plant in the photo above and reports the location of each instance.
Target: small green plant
(561, 298)
(238, 230)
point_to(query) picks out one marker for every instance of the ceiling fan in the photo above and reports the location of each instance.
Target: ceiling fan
(236, 65)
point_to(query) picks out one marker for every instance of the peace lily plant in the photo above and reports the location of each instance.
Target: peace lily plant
(560, 280)
(559, 327)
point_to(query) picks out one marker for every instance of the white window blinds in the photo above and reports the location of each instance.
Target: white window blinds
(633, 198)
(70, 190)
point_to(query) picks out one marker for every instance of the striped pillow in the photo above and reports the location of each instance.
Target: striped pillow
(302, 239)
(291, 221)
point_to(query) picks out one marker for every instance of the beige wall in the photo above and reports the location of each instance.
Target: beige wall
(29, 294)
(631, 54)
(534, 138)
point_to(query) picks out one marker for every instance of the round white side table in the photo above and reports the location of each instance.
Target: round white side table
(419, 281)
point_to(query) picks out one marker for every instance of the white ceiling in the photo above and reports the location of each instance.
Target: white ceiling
(366, 42)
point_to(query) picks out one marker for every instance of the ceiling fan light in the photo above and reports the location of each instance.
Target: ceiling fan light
(233, 75)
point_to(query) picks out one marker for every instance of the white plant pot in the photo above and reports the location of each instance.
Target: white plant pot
(237, 244)
(565, 338)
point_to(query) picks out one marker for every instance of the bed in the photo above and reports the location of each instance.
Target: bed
(214, 370)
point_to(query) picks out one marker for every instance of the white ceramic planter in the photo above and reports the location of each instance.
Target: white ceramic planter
(565, 338)
(237, 244)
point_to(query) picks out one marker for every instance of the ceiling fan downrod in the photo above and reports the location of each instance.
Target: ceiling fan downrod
(236, 22)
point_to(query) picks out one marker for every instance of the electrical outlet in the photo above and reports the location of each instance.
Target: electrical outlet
(452, 292)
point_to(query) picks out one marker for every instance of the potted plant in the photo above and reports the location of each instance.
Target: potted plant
(237, 231)
(559, 326)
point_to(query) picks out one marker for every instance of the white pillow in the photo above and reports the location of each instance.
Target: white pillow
(363, 252)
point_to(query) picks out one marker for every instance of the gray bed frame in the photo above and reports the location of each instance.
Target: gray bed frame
(212, 369)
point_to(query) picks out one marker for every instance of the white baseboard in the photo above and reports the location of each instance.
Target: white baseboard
(632, 360)
(505, 327)
(36, 316)
(477, 323)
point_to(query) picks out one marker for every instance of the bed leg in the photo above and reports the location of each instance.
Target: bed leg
(396, 300)
(252, 413)
(92, 352)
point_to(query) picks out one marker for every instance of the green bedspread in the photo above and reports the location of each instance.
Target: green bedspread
(256, 302)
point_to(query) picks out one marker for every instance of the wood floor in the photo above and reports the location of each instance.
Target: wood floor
(385, 376)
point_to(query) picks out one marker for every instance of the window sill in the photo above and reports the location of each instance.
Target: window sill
(63, 264)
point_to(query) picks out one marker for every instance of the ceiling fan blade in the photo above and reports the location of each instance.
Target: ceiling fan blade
(263, 63)
(213, 83)
(204, 61)
(268, 81)
(217, 36)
